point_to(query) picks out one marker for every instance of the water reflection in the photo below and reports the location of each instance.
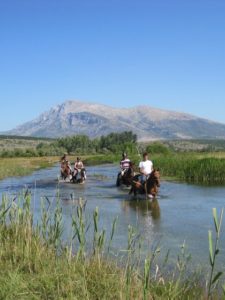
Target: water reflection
(143, 207)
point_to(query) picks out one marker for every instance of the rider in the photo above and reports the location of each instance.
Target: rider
(145, 167)
(68, 168)
(125, 163)
(78, 167)
(63, 161)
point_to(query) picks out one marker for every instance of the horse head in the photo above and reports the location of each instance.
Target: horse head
(153, 182)
(156, 176)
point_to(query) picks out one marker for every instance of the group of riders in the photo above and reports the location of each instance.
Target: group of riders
(75, 174)
(145, 167)
(145, 181)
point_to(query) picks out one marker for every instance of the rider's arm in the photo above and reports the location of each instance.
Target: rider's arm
(141, 168)
(121, 164)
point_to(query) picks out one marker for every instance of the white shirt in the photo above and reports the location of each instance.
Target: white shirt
(146, 166)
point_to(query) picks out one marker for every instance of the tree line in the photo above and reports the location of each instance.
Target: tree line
(80, 144)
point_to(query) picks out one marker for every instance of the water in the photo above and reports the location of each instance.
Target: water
(183, 212)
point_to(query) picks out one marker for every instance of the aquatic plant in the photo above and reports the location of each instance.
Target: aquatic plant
(37, 263)
(192, 168)
(214, 251)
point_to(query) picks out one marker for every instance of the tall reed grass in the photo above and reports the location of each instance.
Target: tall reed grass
(36, 263)
(192, 168)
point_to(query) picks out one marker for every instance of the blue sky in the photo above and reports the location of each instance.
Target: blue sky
(164, 53)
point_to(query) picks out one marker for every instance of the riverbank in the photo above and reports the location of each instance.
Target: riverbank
(192, 167)
(22, 166)
(35, 262)
(19, 166)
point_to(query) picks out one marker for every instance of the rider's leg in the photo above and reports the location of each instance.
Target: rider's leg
(118, 179)
(83, 174)
(75, 172)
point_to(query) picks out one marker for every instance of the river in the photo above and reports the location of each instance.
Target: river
(182, 212)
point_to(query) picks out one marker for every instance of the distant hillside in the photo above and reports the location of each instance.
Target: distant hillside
(75, 117)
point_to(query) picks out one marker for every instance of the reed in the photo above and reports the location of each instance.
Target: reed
(213, 252)
(36, 263)
(192, 168)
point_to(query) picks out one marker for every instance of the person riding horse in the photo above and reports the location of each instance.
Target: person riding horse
(147, 182)
(66, 170)
(145, 168)
(126, 172)
(63, 163)
(79, 169)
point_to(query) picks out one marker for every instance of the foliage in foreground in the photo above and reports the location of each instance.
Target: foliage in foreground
(35, 262)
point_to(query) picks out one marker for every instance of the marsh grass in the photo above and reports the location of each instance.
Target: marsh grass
(193, 168)
(36, 263)
(24, 166)
(214, 252)
(197, 168)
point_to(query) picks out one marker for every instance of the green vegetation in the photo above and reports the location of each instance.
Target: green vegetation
(8, 144)
(206, 165)
(158, 148)
(213, 253)
(194, 145)
(101, 159)
(192, 168)
(112, 143)
(23, 166)
(36, 263)
(197, 167)
(80, 144)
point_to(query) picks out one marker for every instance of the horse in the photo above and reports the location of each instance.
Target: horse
(149, 188)
(82, 177)
(66, 172)
(125, 177)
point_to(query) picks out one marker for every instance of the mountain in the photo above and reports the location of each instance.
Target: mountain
(76, 117)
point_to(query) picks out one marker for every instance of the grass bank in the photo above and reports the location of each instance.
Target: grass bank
(19, 166)
(208, 168)
(35, 262)
(192, 167)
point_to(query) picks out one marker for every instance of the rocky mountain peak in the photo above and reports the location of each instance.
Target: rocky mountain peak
(77, 117)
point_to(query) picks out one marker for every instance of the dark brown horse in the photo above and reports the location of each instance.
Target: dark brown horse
(79, 176)
(149, 188)
(125, 177)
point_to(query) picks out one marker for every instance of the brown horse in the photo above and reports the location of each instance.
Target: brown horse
(125, 177)
(66, 171)
(149, 188)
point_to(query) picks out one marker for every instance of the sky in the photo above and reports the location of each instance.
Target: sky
(168, 54)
